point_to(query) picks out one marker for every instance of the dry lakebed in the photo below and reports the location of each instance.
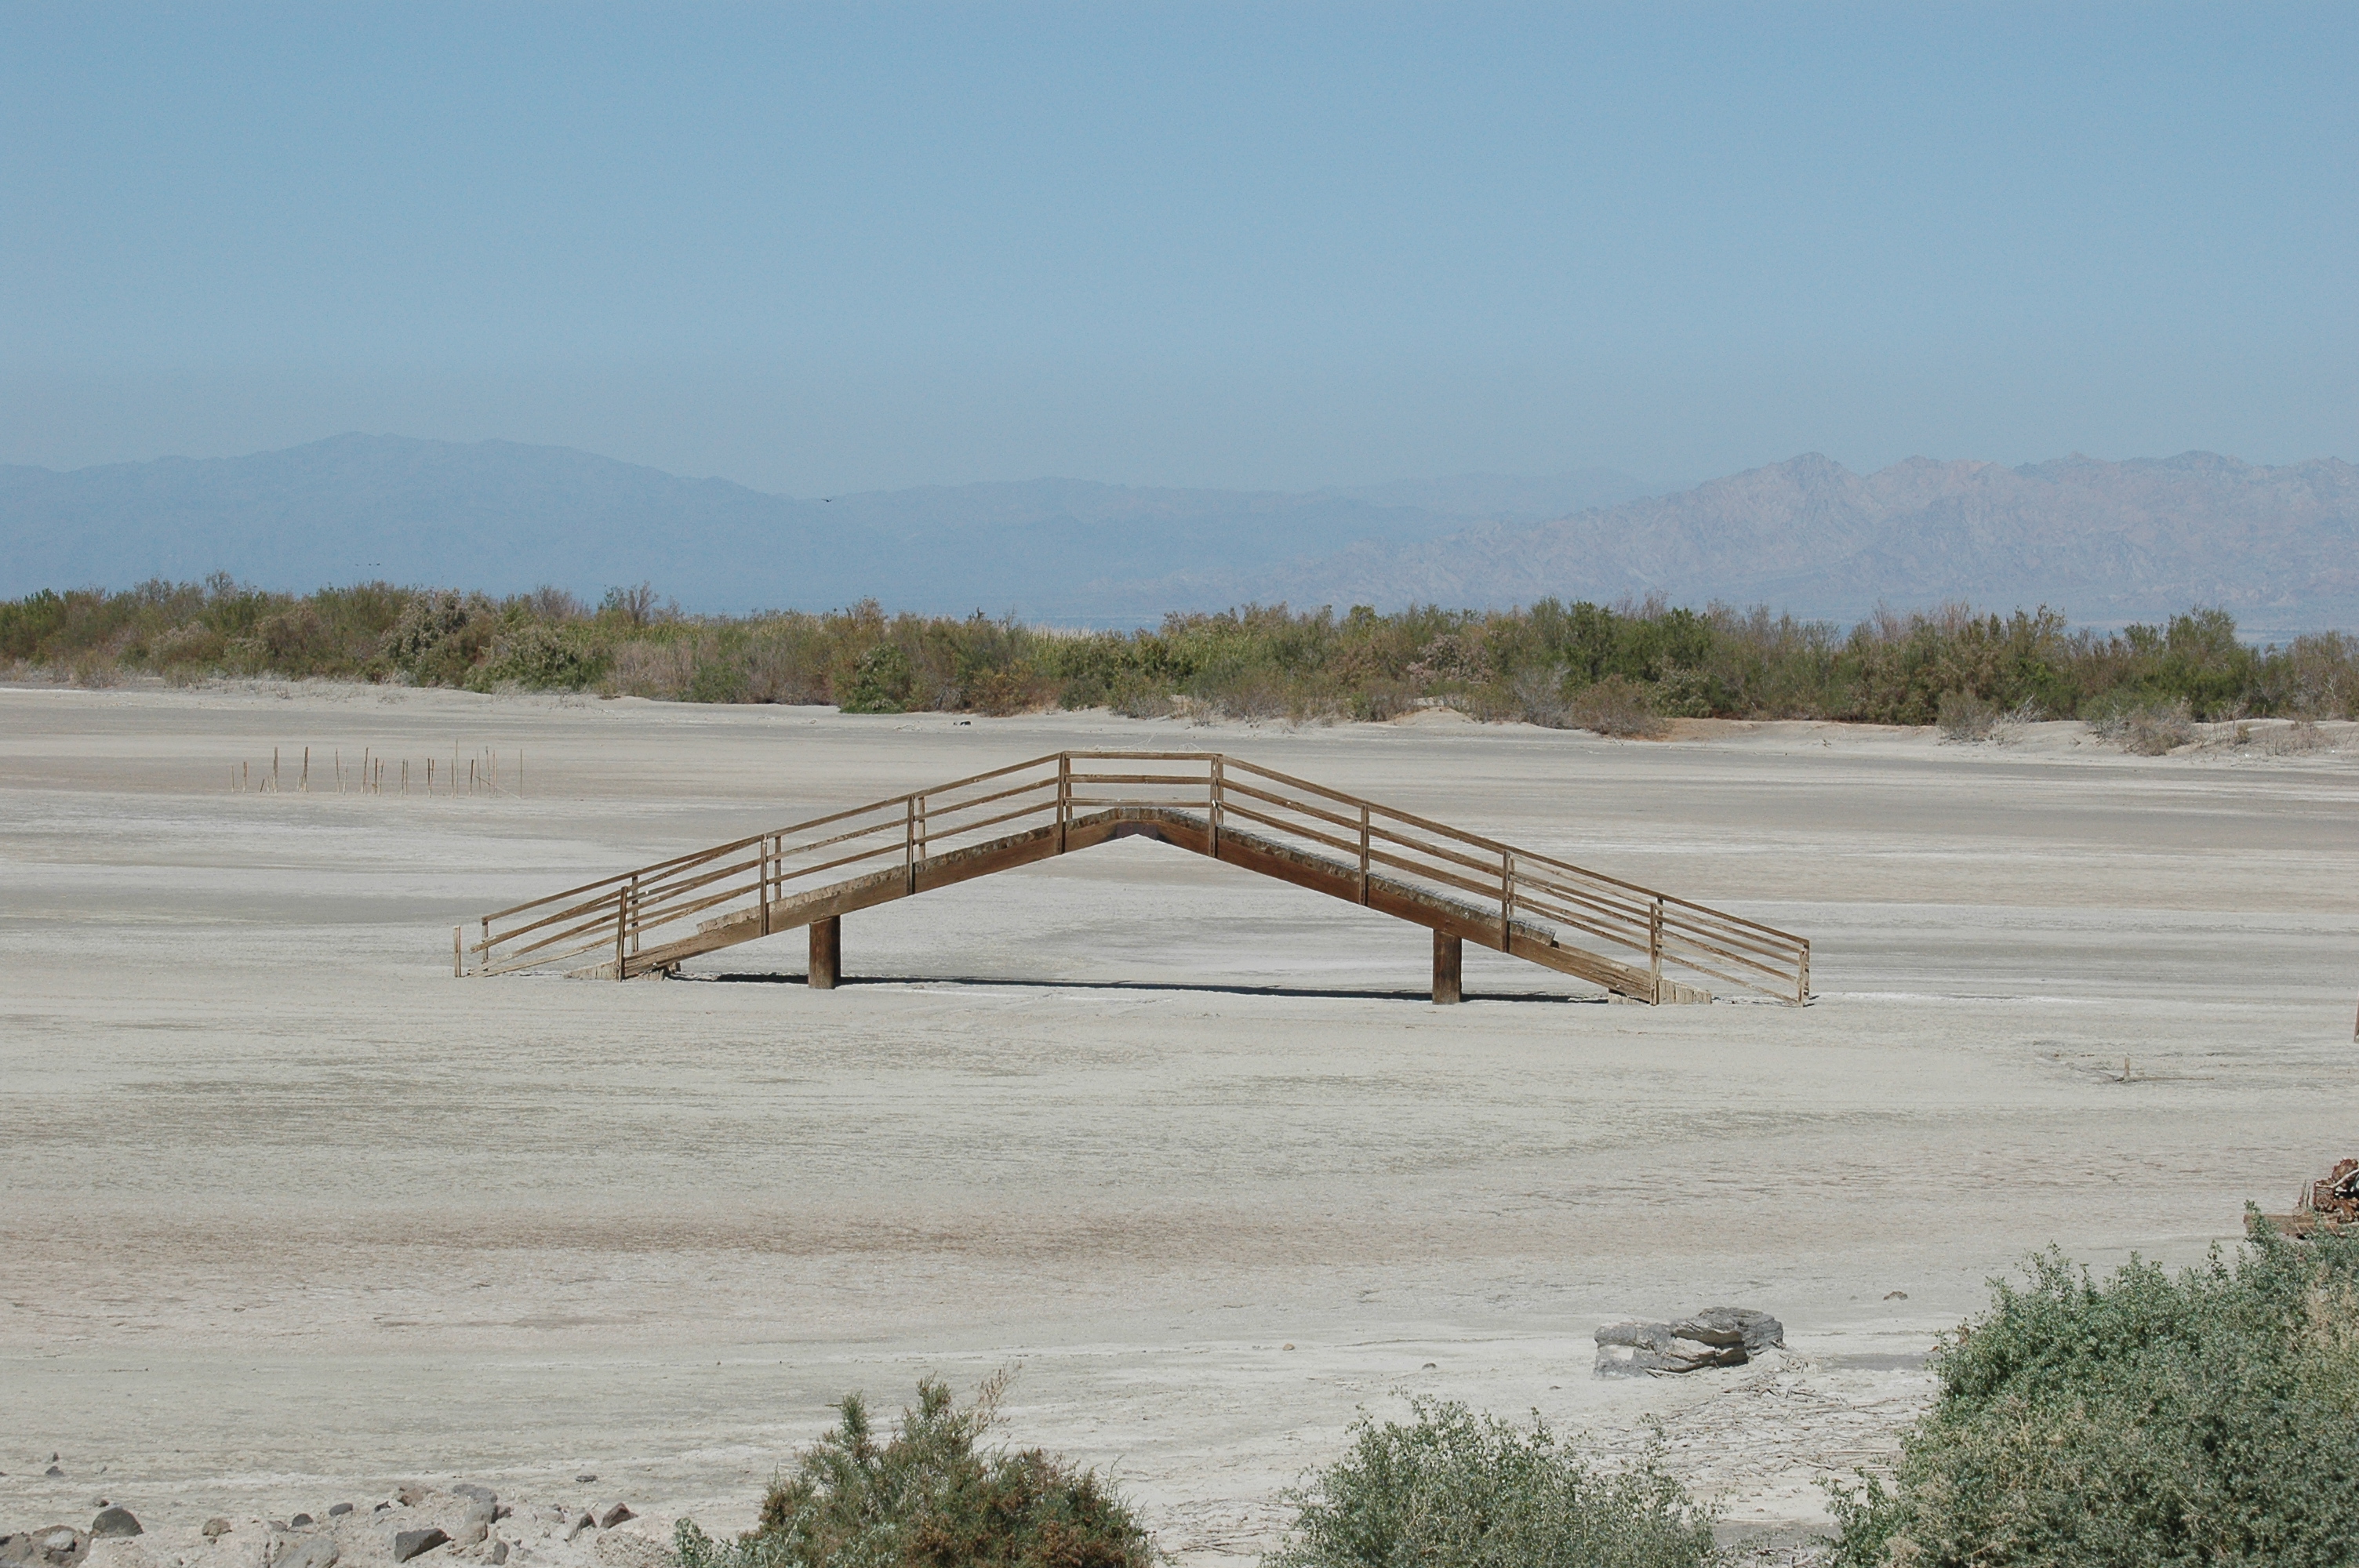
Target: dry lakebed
(292, 1218)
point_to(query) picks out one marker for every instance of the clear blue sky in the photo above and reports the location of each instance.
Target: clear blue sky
(818, 248)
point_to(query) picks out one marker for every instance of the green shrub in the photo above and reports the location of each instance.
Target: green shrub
(926, 1498)
(882, 682)
(1453, 1489)
(2210, 1417)
(543, 657)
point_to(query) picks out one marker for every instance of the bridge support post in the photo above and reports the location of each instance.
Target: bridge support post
(826, 952)
(1449, 958)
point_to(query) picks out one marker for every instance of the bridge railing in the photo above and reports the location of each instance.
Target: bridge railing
(616, 919)
(1525, 887)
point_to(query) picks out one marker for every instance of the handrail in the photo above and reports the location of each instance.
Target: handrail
(1508, 894)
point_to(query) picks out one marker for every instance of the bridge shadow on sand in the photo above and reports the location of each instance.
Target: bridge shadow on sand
(1316, 993)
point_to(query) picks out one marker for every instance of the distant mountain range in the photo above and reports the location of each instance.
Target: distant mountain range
(504, 517)
(2107, 542)
(2104, 541)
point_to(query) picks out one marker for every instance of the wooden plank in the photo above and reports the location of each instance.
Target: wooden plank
(1581, 964)
(1480, 890)
(1338, 818)
(983, 860)
(1311, 833)
(934, 833)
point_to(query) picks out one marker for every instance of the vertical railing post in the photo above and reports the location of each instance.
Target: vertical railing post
(1213, 783)
(1655, 948)
(1802, 979)
(484, 960)
(910, 843)
(1506, 898)
(622, 927)
(458, 952)
(1364, 852)
(1065, 795)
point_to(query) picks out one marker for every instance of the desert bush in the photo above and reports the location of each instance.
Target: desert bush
(2153, 729)
(1966, 718)
(1615, 705)
(440, 639)
(2300, 737)
(882, 682)
(927, 1498)
(659, 670)
(1537, 696)
(2210, 1417)
(1454, 1489)
(2010, 728)
(194, 646)
(549, 656)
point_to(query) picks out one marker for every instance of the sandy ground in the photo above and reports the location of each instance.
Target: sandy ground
(292, 1216)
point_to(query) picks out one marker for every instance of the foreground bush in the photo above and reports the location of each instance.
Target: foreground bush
(1453, 1489)
(926, 1498)
(2210, 1417)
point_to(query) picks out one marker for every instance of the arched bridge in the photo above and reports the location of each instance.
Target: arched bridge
(1638, 943)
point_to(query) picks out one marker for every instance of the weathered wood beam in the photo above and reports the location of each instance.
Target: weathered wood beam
(826, 952)
(1449, 965)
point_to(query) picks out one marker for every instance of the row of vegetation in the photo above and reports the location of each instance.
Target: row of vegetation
(1622, 669)
(2207, 1418)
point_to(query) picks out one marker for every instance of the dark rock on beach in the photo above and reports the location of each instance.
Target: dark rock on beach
(409, 1543)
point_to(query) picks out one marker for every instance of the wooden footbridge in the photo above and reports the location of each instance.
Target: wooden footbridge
(1634, 941)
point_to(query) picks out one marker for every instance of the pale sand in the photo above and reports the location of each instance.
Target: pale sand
(290, 1214)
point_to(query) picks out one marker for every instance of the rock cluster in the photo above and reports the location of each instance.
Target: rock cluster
(1717, 1336)
(420, 1526)
(58, 1546)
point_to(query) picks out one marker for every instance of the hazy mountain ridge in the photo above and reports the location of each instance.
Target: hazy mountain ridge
(505, 516)
(2102, 540)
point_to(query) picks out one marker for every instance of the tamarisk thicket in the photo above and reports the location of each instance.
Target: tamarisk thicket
(1622, 669)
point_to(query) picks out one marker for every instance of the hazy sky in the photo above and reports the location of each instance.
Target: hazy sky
(818, 248)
